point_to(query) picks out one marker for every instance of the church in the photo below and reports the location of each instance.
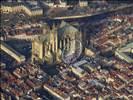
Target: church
(49, 47)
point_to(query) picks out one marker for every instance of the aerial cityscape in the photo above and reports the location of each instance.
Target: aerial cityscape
(66, 50)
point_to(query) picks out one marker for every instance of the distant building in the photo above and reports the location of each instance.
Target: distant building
(44, 48)
(56, 3)
(79, 72)
(81, 67)
(49, 46)
(83, 3)
(28, 8)
(89, 52)
(121, 53)
(58, 95)
(16, 55)
(67, 3)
